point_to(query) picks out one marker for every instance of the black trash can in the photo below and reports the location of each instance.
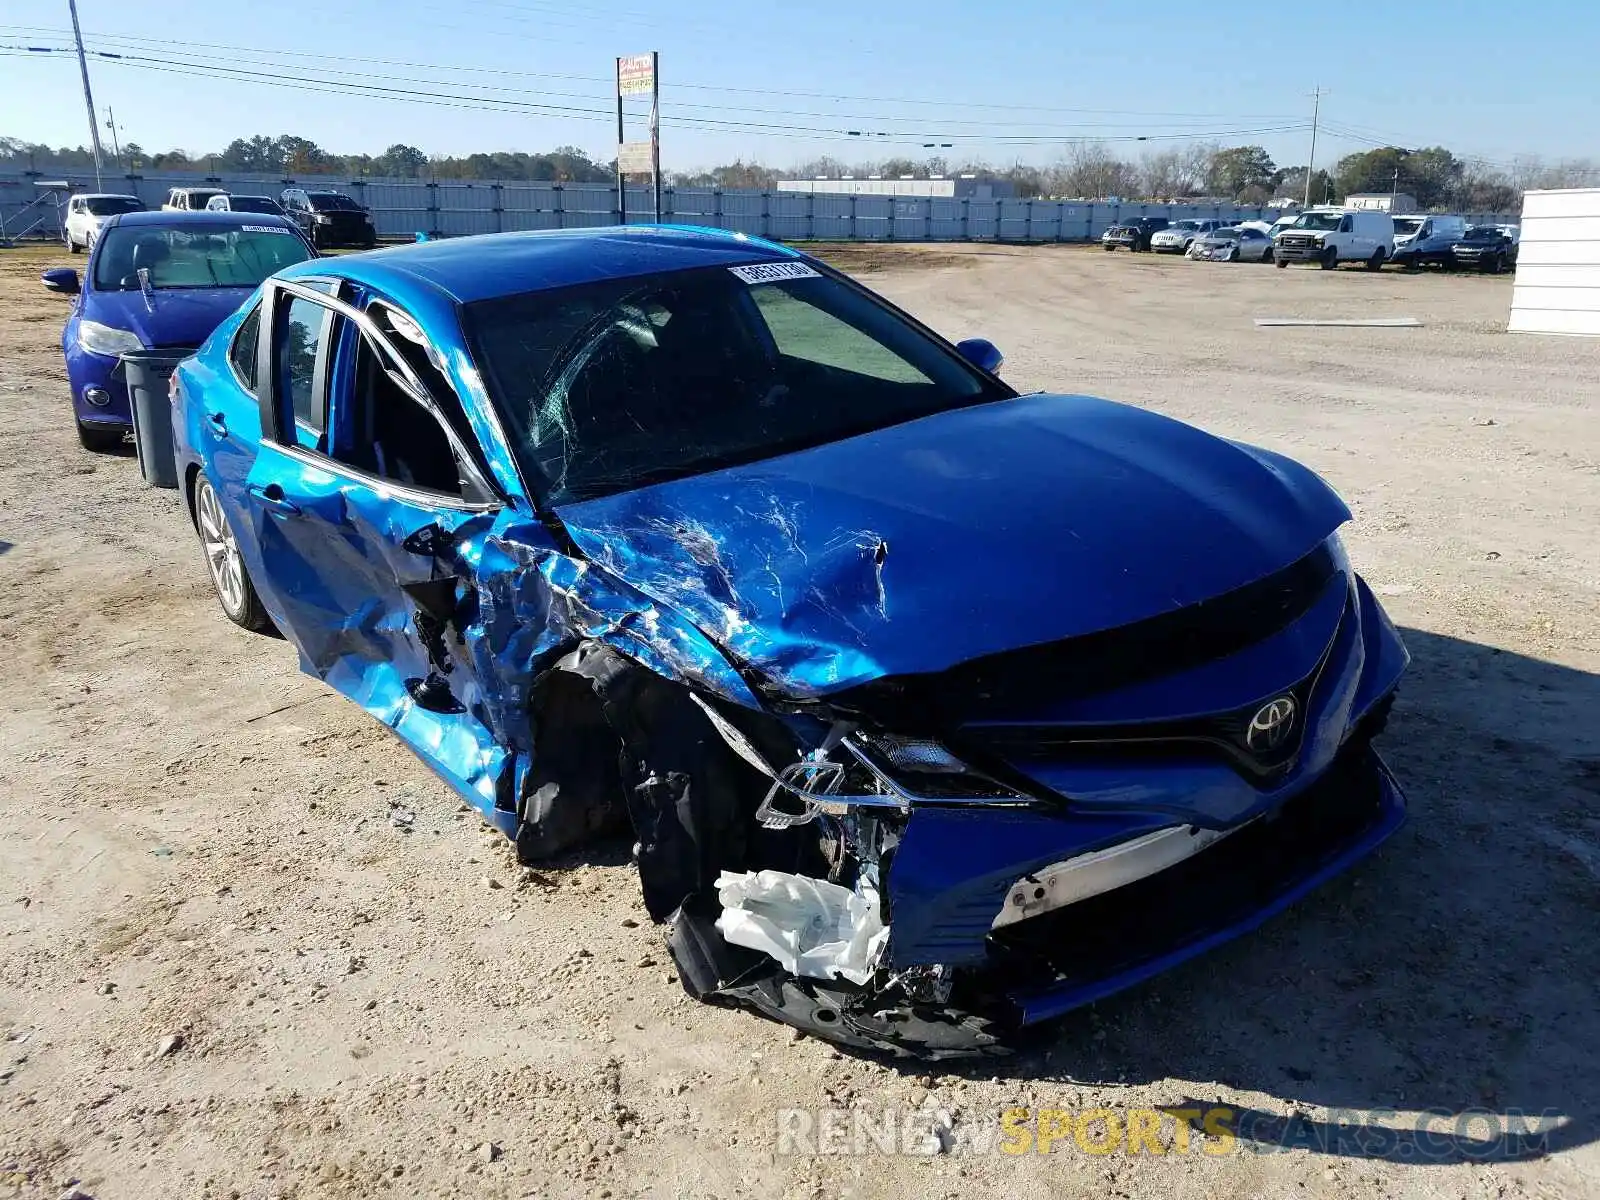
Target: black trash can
(149, 372)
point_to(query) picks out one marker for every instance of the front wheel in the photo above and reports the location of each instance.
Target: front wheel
(1280, 262)
(1330, 258)
(231, 581)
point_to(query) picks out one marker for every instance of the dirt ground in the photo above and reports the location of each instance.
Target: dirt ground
(232, 967)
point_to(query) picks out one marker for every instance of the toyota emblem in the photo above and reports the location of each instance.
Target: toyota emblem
(1271, 725)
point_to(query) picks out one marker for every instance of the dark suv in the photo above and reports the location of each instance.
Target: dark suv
(1483, 248)
(1135, 234)
(330, 219)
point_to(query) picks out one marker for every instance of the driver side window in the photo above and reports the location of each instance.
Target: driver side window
(342, 396)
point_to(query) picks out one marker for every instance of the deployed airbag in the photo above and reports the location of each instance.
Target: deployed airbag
(810, 926)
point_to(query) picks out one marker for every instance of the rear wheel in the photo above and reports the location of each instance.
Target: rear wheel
(1375, 263)
(235, 592)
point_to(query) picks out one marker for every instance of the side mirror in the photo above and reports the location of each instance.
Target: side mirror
(61, 279)
(981, 353)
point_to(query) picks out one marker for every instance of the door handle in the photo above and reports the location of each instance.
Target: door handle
(218, 422)
(272, 496)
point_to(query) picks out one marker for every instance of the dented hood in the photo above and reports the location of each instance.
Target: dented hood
(913, 548)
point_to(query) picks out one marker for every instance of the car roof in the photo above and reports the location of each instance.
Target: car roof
(486, 266)
(200, 217)
(105, 196)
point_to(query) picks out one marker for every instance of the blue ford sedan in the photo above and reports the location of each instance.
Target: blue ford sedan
(934, 710)
(158, 280)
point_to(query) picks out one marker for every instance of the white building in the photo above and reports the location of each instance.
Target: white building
(1558, 263)
(1390, 202)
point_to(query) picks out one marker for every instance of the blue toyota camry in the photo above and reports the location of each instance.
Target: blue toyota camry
(935, 710)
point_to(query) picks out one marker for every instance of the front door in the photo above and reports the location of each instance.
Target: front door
(357, 497)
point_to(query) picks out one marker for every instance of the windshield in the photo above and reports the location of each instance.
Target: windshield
(615, 385)
(106, 206)
(1482, 234)
(1318, 220)
(196, 256)
(255, 204)
(1406, 226)
(1223, 235)
(332, 202)
(1177, 226)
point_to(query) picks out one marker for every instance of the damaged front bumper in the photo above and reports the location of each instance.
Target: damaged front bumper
(998, 974)
(1108, 865)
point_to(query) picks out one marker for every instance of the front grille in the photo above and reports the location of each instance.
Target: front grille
(1217, 888)
(1296, 241)
(1225, 734)
(1008, 684)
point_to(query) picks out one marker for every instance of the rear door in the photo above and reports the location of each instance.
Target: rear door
(361, 476)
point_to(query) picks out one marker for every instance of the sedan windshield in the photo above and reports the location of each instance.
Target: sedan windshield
(615, 385)
(195, 256)
(107, 206)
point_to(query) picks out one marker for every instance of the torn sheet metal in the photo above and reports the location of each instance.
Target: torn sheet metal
(808, 926)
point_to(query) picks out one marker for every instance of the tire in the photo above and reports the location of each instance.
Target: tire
(1330, 259)
(229, 579)
(73, 247)
(99, 440)
(1375, 263)
(1280, 263)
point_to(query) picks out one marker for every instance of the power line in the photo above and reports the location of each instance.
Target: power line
(717, 124)
(671, 86)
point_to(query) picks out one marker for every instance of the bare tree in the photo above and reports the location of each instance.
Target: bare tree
(1161, 174)
(1093, 171)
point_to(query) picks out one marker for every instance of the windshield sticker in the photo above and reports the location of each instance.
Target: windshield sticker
(263, 229)
(774, 272)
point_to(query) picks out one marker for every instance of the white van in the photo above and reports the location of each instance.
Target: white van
(1330, 236)
(1423, 238)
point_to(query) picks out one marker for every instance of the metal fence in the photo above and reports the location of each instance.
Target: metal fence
(403, 207)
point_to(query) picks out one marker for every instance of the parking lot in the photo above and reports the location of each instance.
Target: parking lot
(253, 948)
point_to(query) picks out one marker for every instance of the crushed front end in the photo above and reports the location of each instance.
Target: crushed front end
(975, 851)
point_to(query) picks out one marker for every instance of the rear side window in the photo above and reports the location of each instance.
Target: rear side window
(242, 354)
(303, 369)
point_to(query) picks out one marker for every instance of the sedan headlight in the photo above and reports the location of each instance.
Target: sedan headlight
(926, 769)
(103, 339)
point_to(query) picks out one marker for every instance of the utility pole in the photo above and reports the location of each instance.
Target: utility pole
(111, 124)
(655, 127)
(1311, 162)
(88, 96)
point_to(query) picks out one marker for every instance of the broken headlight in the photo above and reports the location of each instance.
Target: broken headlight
(925, 770)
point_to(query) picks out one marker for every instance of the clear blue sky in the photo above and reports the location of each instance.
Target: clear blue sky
(998, 80)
